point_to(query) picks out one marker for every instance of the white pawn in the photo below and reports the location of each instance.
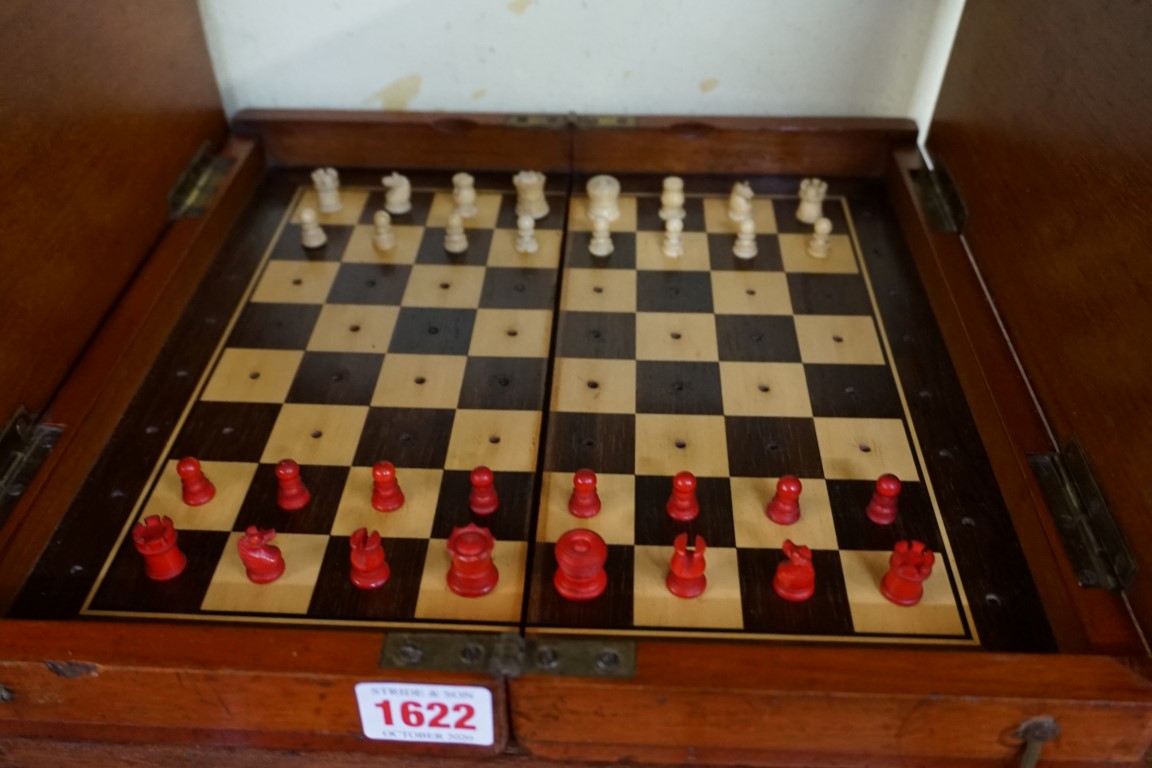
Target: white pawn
(455, 241)
(398, 198)
(601, 244)
(385, 239)
(311, 235)
(812, 192)
(464, 194)
(526, 235)
(673, 245)
(530, 197)
(672, 198)
(327, 183)
(745, 246)
(818, 245)
(740, 202)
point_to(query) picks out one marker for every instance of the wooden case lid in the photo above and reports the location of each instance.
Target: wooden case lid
(1045, 123)
(104, 104)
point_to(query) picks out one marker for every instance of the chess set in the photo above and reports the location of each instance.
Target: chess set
(634, 405)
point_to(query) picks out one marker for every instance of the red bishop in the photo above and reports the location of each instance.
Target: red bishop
(682, 504)
(155, 538)
(386, 493)
(369, 567)
(686, 574)
(795, 577)
(584, 501)
(580, 558)
(483, 499)
(197, 489)
(472, 572)
(908, 567)
(784, 509)
(263, 562)
(292, 494)
(885, 500)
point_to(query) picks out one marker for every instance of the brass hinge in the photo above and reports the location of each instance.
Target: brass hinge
(602, 122)
(509, 655)
(197, 185)
(24, 445)
(940, 199)
(1087, 528)
(548, 122)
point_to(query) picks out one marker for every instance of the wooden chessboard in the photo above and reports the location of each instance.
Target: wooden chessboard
(739, 371)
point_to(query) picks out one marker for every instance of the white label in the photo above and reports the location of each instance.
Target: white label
(439, 714)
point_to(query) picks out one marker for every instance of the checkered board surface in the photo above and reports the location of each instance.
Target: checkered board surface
(338, 358)
(740, 372)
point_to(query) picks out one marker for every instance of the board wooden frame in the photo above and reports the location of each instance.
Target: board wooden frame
(160, 686)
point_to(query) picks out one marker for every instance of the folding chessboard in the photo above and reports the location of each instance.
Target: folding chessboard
(636, 366)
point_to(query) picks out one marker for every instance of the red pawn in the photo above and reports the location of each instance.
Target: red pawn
(795, 577)
(386, 493)
(472, 573)
(682, 504)
(292, 493)
(910, 564)
(784, 509)
(584, 501)
(155, 538)
(580, 557)
(197, 489)
(263, 562)
(369, 568)
(686, 574)
(885, 500)
(483, 499)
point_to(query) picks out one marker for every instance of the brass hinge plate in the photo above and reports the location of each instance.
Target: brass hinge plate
(24, 445)
(197, 185)
(509, 655)
(940, 199)
(1087, 528)
(541, 122)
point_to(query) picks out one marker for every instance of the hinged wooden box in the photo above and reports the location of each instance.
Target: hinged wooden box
(1008, 287)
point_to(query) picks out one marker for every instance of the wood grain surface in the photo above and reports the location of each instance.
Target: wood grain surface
(1043, 121)
(106, 103)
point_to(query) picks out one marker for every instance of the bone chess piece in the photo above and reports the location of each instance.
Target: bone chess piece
(530, 199)
(673, 244)
(464, 194)
(327, 183)
(603, 198)
(526, 235)
(672, 198)
(812, 192)
(740, 202)
(745, 245)
(455, 240)
(819, 244)
(601, 244)
(398, 198)
(311, 235)
(385, 238)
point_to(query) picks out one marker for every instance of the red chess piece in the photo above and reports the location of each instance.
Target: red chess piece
(910, 564)
(686, 574)
(795, 577)
(263, 562)
(580, 555)
(292, 493)
(386, 493)
(682, 504)
(197, 489)
(369, 568)
(155, 538)
(472, 573)
(584, 501)
(483, 499)
(784, 509)
(885, 500)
